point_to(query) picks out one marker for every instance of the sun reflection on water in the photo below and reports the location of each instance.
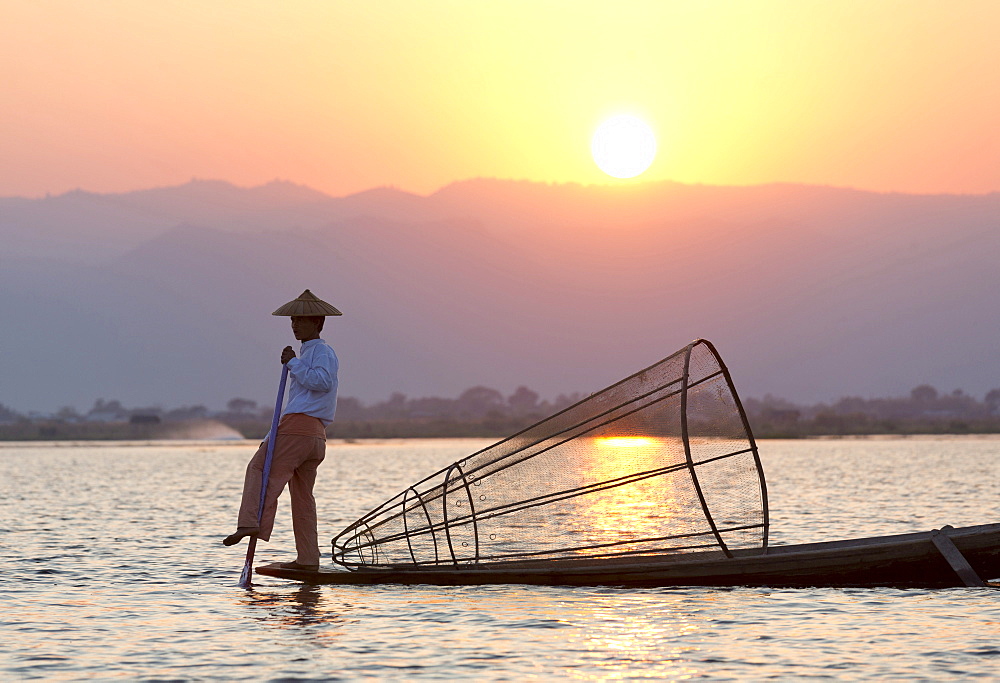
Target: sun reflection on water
(638, 636)
(624, 502)
(624, 441)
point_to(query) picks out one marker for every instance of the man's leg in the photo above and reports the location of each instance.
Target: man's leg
(304, 505)
(246, 523)
(289, 451)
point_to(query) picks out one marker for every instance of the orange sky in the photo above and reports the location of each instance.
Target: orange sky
(343, 96)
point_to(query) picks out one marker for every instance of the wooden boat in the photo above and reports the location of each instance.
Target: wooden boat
(914, 560)
(653, 481)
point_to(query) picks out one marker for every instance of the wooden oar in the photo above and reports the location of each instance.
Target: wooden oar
(271, 437)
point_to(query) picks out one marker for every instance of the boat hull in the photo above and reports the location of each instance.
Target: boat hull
(904, 561)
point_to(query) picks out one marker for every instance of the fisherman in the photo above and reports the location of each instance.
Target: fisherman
(300, 442)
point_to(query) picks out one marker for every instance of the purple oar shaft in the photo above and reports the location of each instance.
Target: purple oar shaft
(271, 438)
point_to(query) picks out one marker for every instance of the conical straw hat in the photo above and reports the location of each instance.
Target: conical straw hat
(307, 304)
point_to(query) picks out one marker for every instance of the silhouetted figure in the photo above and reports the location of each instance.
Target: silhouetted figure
(300, 442)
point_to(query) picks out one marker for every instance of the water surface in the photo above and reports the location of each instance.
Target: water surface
(111, 567)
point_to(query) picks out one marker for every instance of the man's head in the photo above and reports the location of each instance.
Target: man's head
(307, 327)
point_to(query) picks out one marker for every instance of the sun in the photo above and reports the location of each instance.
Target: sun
(623, 146)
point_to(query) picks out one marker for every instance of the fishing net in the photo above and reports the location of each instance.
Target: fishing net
(661, 462)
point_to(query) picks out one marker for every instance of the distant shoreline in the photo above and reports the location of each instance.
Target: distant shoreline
(216, 430)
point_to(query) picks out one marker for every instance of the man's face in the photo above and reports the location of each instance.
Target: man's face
(306, 327)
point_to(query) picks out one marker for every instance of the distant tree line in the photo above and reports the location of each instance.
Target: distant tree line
(479, 411)
(924, 411)
(482, 411)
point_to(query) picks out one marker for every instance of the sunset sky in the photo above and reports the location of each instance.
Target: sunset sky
(343, 96)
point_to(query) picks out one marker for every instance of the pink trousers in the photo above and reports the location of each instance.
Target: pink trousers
(295, 459)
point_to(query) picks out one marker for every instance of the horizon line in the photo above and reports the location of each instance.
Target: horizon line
(625, 185)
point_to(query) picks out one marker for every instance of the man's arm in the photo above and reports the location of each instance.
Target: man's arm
(316, 373)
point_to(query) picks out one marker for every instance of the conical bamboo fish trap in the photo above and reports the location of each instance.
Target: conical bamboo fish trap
(661, 462)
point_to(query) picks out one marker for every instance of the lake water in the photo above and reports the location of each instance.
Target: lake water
(111, 566)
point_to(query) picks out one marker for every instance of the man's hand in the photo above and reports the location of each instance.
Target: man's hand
(287, 354)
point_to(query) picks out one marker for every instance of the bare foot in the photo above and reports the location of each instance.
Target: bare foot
(241, 533)
(296, 565)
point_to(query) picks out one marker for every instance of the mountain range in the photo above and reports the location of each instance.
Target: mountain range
(163, 296)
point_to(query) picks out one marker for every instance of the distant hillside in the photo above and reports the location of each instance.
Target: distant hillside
(811, 293)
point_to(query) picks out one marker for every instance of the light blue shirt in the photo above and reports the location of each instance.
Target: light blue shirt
(313, 386)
